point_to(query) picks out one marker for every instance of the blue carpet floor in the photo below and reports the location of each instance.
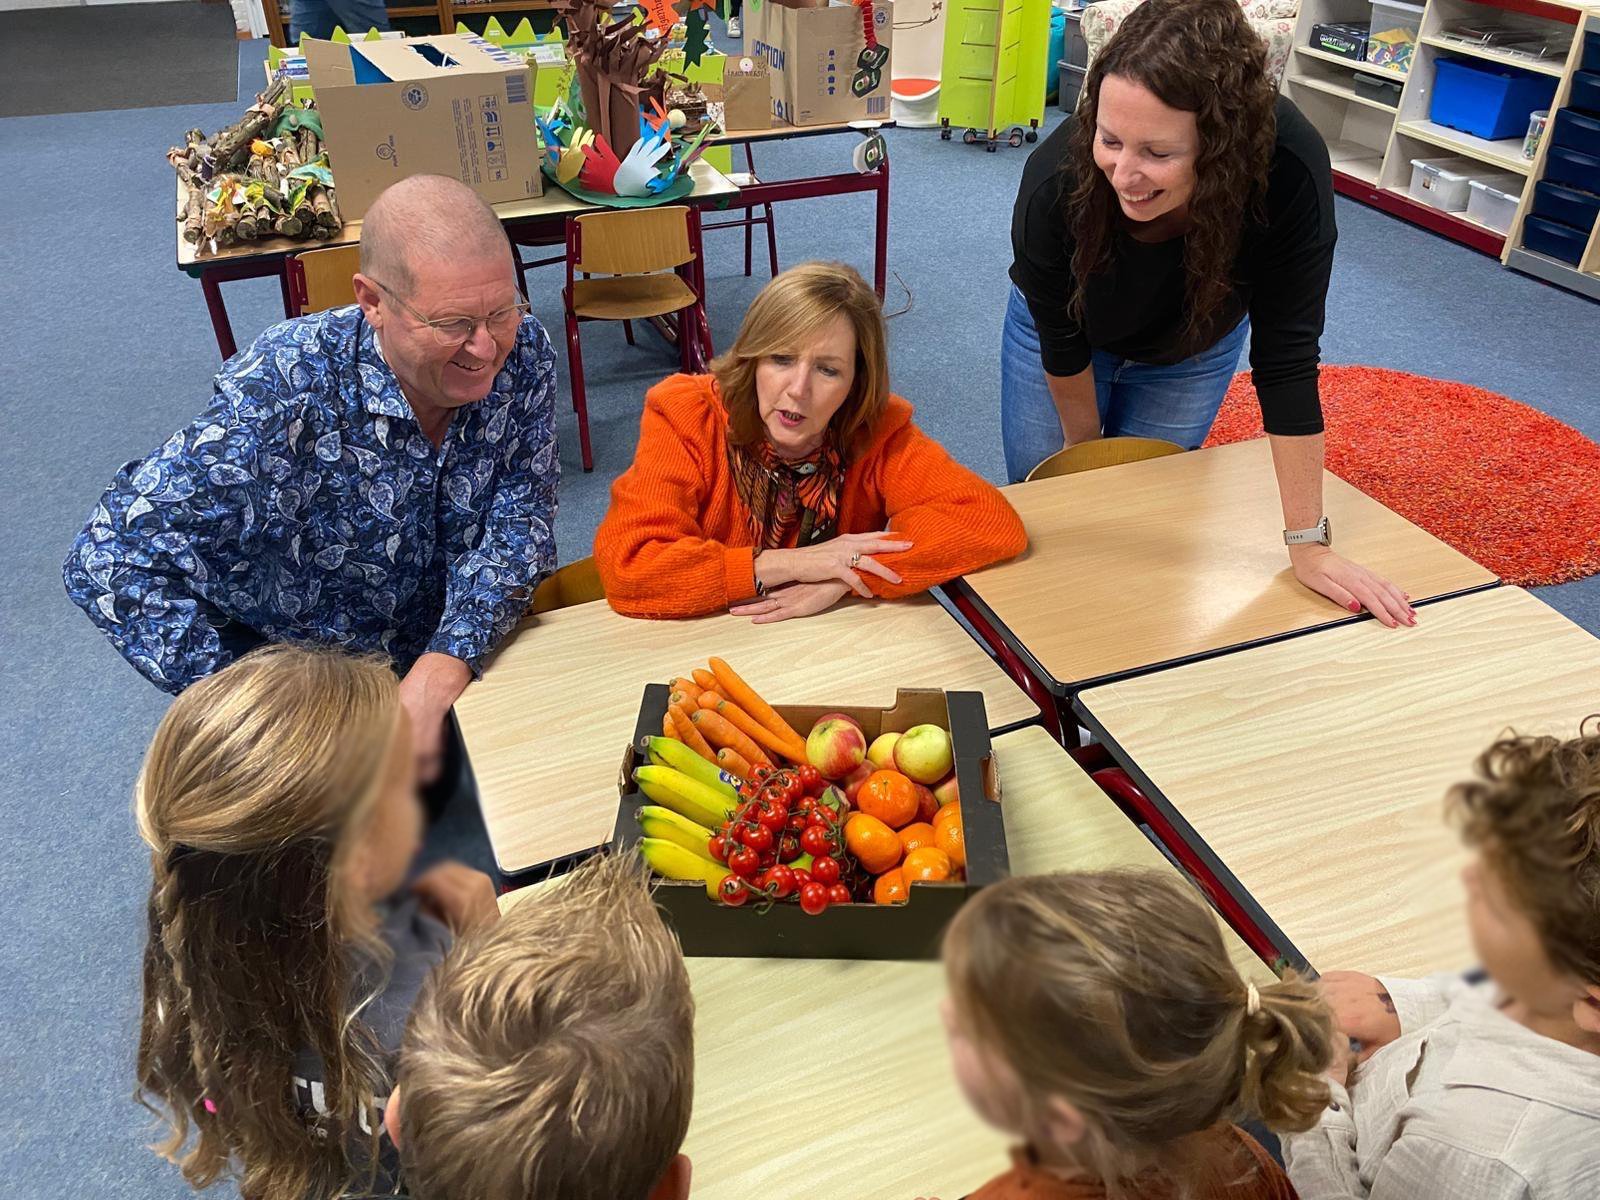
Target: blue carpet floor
(106, 349)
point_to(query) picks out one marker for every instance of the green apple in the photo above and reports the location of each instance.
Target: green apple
(923, 753)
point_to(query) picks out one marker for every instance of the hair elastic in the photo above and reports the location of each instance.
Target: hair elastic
(1252, 1000)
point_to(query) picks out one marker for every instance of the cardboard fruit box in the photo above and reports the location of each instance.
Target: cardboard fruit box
(909, 931)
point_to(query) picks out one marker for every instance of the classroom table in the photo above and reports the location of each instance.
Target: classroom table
(547, 725)
(1143, 566)
(1310, 775)
(544, 215)
(862, 1042)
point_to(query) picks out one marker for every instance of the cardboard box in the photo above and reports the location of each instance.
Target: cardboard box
(452, 105)
(822, 71)
(909, 931)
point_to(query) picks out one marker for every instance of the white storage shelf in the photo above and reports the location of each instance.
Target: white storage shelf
(1373, 144)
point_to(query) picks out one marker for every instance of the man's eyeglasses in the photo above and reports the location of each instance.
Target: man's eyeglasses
(454, 331)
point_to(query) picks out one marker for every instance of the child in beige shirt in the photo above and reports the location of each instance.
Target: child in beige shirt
(1486, 1086)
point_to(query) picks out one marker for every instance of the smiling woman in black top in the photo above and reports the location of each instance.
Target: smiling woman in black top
(1184, 209)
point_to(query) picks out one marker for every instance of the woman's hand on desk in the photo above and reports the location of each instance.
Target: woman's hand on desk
(792, 600)
(839, 559)
(1350, 585)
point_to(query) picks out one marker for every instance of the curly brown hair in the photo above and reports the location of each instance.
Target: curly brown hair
(1198, 56)
(1534, 814)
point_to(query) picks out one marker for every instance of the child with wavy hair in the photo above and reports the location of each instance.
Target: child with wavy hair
(1097, 1017)
(1485, 1086)
(279, 800)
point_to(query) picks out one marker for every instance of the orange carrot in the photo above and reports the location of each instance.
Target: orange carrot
(722, 732)
(733, 764)
(668, 729)
(683, 700)
(704, 678)
(688, 687)
(760, 734)
(741, 693)
(688, 734)
(708, 699)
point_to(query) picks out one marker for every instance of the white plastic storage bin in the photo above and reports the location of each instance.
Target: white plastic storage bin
(1442, 183)
(1493, 201)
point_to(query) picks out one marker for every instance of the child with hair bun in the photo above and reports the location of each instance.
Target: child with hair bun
(1097, 1017)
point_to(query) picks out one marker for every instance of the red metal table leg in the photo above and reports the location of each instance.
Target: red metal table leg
(1117, 784)
(219, 315)
(880, 265)
(1036, 689)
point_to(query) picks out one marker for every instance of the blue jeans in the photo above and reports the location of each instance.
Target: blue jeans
(1177, 403)
(318, 17)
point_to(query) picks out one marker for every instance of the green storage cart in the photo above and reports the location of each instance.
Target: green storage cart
(995, 55)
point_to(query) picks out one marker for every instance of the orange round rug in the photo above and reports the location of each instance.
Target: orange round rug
(1508, 486)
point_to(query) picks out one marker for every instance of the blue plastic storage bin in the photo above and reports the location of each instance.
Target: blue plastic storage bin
(1573, 169)
(1569, 205)
(1575, 131)
(1555, 239)
(1489, 101)
(1585, 95)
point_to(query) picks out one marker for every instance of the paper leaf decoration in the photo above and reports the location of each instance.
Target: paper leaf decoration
(660, 14)
(699, 30)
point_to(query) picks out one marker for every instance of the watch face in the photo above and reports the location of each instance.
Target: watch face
(1327, 532)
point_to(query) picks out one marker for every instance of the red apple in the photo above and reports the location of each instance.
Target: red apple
(836, 747)
(839, 716)
(946, 791)
(923, 753)
(881, 753)
(852, 782)
(927, 805)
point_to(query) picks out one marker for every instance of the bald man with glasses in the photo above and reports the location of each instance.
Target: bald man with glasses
(380, 477)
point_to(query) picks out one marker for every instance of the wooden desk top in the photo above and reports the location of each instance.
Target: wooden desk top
(1316, 768)
(709, 183)
(1133, 566)
(882, 1019)
(547, 725)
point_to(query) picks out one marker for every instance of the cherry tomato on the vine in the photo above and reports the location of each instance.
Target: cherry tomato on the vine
(717, 847)
(825, 870)
(758, 838)
(733, 892)
(789, 848)
(780, 880)
(817, 841)
(813, 899)
(811, 779)
(744, 862)
(838, 894)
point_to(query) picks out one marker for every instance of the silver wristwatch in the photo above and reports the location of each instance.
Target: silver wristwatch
(1319, 534)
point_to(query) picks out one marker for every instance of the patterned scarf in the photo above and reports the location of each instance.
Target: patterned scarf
(791, 502)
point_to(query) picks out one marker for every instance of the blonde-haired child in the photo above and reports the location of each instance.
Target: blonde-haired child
(279, 802)
(553, 1054)
(1098, 1018)
(1485, 1087)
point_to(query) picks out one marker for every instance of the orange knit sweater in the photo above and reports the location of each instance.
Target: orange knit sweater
(676, 541)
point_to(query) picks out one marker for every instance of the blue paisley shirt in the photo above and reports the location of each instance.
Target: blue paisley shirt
(306, 504)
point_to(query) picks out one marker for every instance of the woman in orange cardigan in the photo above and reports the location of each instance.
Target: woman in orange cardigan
(789, 476)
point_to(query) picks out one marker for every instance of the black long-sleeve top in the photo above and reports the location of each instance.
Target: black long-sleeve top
(1137, 309)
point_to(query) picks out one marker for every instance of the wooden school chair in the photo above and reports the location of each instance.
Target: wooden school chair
(749, 221)
(320, 279)
(576, 583)
(651, 260)
(1102, 452)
